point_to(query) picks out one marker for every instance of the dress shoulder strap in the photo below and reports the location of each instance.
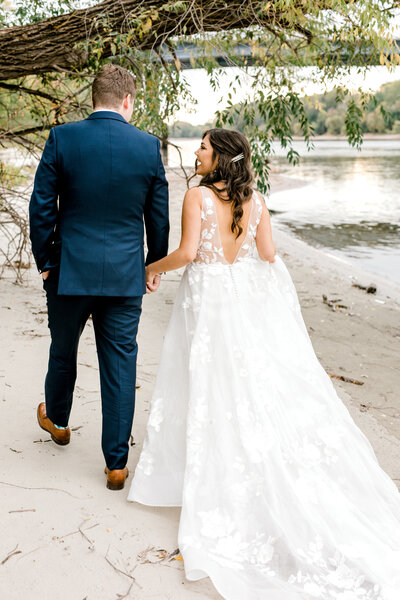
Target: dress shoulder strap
(207, 203)
(259, 206)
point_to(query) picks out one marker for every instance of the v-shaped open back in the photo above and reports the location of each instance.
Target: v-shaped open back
(210, 247)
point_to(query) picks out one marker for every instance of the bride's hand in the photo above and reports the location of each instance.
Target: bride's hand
(152, 280)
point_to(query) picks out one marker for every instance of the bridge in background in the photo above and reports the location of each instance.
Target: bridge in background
(191, 56)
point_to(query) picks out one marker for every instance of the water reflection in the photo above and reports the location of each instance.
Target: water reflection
(347, 189)
(349, 205)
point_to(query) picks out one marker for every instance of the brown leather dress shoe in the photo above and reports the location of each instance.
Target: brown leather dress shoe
(116, 478)
(59, 436)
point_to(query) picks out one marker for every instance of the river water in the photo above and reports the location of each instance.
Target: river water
(349, 203)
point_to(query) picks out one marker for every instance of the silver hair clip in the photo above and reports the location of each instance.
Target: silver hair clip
(238, 157)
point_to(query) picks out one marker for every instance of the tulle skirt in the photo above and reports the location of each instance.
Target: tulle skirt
(282, 496)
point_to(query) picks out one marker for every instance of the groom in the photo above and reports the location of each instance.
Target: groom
(96, 183)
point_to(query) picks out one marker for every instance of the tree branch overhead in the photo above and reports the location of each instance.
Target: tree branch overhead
(60, 42)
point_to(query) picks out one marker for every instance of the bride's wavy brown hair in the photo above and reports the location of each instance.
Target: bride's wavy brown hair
(237, 176)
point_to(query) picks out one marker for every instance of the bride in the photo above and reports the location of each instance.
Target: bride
(282, 496)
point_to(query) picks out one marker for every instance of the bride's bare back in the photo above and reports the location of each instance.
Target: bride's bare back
(230, 243)
(207, 236)
(218, 244)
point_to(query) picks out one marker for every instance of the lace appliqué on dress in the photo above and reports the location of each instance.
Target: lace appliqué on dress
(210, 249)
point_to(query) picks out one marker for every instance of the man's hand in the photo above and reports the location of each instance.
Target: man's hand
(45, 275)
(152, 281)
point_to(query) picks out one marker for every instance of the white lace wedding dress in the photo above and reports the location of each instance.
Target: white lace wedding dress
(282, 496)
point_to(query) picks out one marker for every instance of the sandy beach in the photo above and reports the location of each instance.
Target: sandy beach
(64, 535)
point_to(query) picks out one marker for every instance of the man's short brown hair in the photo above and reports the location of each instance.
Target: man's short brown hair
(110, 86)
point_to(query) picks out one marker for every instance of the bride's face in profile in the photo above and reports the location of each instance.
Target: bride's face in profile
(204, 156)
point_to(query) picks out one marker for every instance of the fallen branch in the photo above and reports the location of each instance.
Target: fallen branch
(85, 536)
(175, 555)
(22, 510)
(332, 303)
(10, 554)
(153, 555)
(370, 289)
(346, 379)
(131, 577)
(78, 531)
(23, 487)
(121, 596)
(116, 568)
(385, 408)
(31, 552)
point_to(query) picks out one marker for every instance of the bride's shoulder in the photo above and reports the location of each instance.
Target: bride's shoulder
(194, 195)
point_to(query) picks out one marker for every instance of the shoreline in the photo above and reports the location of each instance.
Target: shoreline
(378, 137)
(325, 137)
(388, 289)
(58, 516)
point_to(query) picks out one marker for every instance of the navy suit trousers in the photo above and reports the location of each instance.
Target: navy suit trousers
(115, 322)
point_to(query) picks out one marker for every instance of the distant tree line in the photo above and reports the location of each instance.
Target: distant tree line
(183, 129)
(326, 114)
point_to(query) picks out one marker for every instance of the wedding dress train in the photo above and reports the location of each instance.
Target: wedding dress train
(282, 496)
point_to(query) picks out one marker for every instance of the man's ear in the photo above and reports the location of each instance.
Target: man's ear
(127, 101)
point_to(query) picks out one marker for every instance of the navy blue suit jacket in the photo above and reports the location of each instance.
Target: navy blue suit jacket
(98, 182)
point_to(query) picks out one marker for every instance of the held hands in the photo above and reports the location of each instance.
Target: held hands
(152, 280)
(45, 275)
